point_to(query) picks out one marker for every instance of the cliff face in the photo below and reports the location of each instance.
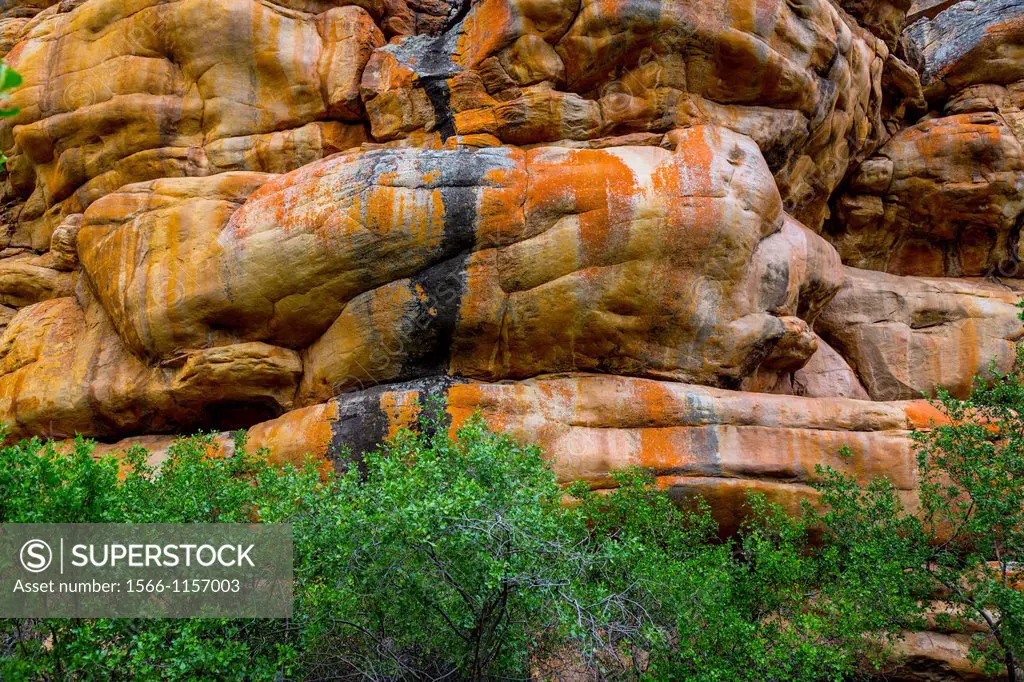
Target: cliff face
(719, 238)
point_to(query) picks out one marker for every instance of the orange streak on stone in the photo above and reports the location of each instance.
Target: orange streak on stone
(662, 449)
(296, 435)
(922, 415)
(401, 409)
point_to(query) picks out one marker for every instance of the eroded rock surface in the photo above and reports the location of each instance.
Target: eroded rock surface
(721, 239)
(908, 335)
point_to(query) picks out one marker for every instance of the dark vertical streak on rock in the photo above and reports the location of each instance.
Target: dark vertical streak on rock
(431, 322)
(363, 423)
(437, 91)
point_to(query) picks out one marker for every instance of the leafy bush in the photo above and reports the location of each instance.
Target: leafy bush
(40, 484)
(464, 558)
(9, 80)
(964, 540)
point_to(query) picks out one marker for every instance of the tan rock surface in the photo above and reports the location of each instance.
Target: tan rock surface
(64, 371)
(492, 263)
(826, 375)
(928, 656)
(119, 92)
(695, 439)
(905, 336)
(803, 83)
(970, 42)
(943, 198)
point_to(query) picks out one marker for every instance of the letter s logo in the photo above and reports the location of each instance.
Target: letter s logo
(36, 556)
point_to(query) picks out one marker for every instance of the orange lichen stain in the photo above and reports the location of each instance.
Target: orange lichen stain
(476, 122)
(387, 304)
(595, 184)
(970, 345)
(438, 211)
(500, 212)
(1004, 30)
(487, 27)
(420, 293)
(459, 417)
(297, 435)
(663, 449)
(215, 449)
(417, 215)
(922, 414)
(481, 305)
(958, 134)
(401, 408)
(478, 140)
(497, 403)
(686, 187)
(654, 400)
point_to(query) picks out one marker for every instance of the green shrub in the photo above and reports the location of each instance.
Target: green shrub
(39, 484)
(9, 80)
(964, 541)
(464, 558)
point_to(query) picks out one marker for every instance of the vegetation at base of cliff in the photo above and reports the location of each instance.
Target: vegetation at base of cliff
(463, 558)
(964, 541)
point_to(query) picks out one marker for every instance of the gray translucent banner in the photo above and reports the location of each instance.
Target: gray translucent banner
(88, 570)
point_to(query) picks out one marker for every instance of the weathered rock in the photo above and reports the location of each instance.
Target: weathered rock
(11, 30)
(695, 439)
(929, 656)
(120, 92)
(883, 17)
(943, 198)
(491, 263)
(647, 226)
(906, 336)
(151, 252)
(804, 83)
(64, 243)
(826, 375)
(586, 219)
(27, 279)
(970, 42)
(64, 371)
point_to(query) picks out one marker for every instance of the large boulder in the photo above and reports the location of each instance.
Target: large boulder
(943, 198)
(118, 92)
(803, 80)
(64, 371)
(906, 336)
(493, 263)
(969, 42)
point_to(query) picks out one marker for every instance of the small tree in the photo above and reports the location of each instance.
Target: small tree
(455, 557)
(964, 543)
(768, 604)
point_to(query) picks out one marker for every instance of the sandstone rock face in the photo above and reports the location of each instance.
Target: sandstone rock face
(905, 336)
(720, 239)
(941, 198)
(118, 92)
(969, 43)
(804, 82)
